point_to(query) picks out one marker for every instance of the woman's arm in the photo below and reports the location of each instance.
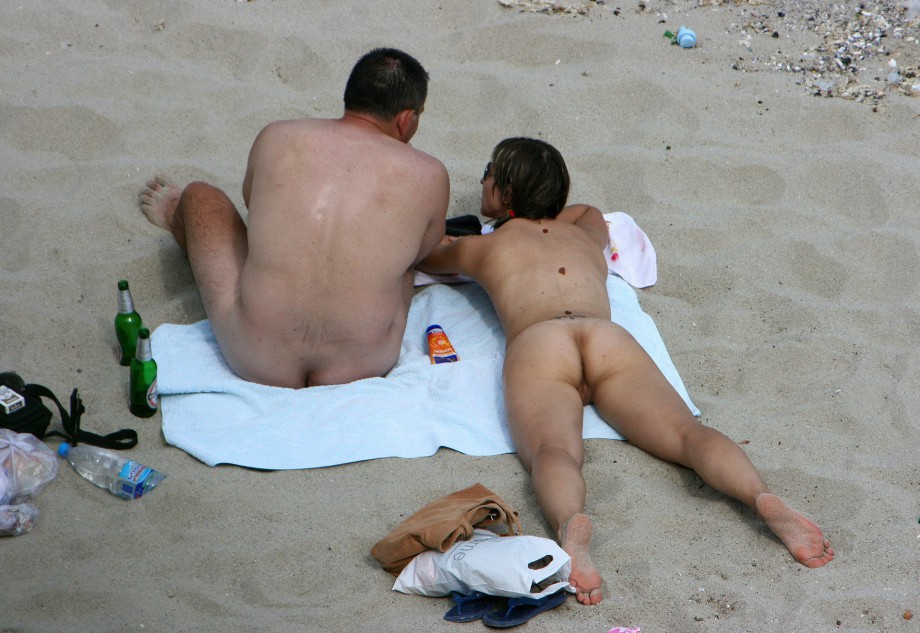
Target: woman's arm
(590, 219)
(452, 255)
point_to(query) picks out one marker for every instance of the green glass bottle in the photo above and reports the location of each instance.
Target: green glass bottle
(127, 323)
(143, 396)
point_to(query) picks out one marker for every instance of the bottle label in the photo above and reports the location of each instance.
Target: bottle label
(125, 302)
(132, 478)
(142, 352)
(153, 396)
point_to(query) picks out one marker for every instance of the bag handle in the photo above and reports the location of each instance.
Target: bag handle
(117, 440)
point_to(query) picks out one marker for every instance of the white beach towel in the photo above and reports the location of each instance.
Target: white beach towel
(417, 408)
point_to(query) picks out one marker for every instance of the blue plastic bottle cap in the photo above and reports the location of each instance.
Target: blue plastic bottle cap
(686, 38)
(63, 449)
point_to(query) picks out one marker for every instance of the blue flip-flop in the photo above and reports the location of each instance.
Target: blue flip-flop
(468, 608)
(519, 610)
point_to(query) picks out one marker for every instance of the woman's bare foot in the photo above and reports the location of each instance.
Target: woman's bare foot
(159, 200)
(575, 538)
(804, 540)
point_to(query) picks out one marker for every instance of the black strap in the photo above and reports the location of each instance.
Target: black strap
(118, 440)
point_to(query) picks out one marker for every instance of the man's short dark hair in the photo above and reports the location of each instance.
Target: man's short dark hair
(384, 82)
(531, 176)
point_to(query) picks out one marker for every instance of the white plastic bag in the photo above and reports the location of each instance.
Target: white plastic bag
(490, 564)
(26, 466)
(17, 519)
(5, 487)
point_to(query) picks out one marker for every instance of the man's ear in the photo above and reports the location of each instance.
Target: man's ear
(404, 124)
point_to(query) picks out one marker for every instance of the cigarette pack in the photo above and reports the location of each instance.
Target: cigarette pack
(10, 400)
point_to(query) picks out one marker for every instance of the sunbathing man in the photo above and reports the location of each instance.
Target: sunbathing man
(545, 271)
(316, 289)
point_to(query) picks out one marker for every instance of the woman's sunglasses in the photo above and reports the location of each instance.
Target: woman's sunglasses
(485, 173)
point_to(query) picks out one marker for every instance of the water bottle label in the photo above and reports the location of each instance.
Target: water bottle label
(153, 396)
(132, 477)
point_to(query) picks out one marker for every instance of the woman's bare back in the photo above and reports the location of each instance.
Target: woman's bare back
(535, 270)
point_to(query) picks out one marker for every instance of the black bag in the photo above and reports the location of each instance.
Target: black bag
(464, 225)
(28, 414)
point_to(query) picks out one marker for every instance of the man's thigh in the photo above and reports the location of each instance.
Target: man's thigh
(217, 246)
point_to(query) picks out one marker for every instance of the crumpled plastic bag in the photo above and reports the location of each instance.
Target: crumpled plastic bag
(5, 486)
(511, 566)
(17, 519)
(26, 467)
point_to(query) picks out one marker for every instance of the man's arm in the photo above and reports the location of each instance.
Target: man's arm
(590, 219)
(437, 223)
(250, 163)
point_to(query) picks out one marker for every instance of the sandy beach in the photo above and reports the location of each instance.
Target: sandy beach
(782, 203)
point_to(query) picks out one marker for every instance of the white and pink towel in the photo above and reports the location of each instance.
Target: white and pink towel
(631, 254)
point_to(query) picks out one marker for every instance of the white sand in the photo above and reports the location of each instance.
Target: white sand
(787, 232)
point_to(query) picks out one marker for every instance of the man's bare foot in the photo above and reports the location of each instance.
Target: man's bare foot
(159, 200)
(575, 538)
(804, 540)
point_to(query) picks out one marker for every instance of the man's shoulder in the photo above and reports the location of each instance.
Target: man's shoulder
(414, 160)
(429, 161)
(298, 124)
(284, 129)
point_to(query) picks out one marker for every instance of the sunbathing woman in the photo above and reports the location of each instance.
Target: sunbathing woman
(544, 269)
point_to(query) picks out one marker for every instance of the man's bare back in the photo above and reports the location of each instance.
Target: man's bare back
(314, 289)
(339, 214)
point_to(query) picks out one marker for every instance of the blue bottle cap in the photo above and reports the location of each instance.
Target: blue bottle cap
(686, 37)
(63, 449)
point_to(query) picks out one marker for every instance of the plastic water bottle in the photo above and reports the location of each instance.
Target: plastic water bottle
(123, 477)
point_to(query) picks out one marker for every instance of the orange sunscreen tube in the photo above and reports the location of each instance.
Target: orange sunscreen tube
(439, 348)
